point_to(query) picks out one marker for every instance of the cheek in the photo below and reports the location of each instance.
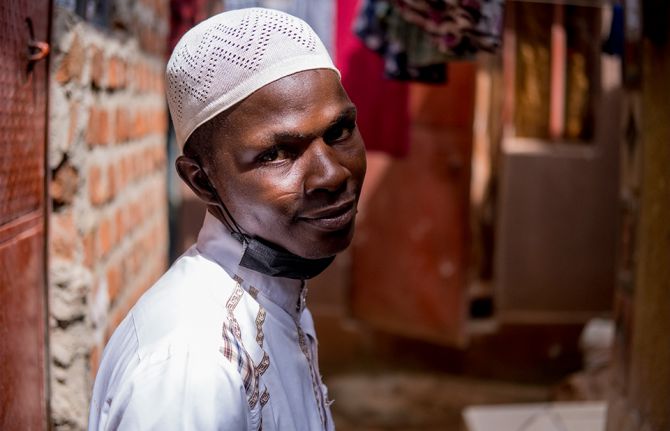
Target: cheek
(264, 200)
(357, 162)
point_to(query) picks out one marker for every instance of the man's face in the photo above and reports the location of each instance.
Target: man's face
(291, 164)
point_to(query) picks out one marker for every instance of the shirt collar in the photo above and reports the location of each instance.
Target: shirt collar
(216, 243)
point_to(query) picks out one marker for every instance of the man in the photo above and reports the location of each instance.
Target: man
(223, 340)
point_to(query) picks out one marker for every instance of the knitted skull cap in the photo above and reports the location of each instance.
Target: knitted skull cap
(227, 57)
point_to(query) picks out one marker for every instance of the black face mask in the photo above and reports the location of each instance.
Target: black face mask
(268, 259)
(264, 257)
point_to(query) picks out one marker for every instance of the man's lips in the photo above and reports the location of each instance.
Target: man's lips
(334, 217)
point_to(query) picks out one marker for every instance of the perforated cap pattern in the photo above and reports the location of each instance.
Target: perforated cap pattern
(224, 59)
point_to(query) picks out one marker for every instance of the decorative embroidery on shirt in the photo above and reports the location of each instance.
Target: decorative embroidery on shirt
(253, 292)
(263, 365)
(230, 306)
(260, 319)
(235, 298)
(265, 396)
(316, 383)
(233, 349)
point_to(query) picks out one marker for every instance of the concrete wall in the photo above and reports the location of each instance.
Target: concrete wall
(108, 222)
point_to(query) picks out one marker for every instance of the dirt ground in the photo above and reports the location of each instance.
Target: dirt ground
(417, 401)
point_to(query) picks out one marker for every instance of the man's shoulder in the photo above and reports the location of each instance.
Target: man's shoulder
(186, 303)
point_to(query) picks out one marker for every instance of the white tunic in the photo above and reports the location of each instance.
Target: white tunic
(213, 346)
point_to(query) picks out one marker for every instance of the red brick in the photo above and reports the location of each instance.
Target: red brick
(134, 166)
(128, 165)
(137, 77)
(145, 40)
(135, 290)
(97, 67)
(157, 122)
(120, 225)
(97, 189)
(137, 165)
(116, 73)
(139, 124)
(146, 77)
(122, 124)
(63, 235)
(72, 63)
(92, 126)
(112, 185)
(103, 127)
(160, 85)
(145, 161)
(64, 184)
(159, 157)
(98, 130)
(163, 119)
(114, 281)
(89, 248)
(124, 170)
(72, 130)
(105, 238)
(131, 220)
(120, 178)
(148, 241)
(136, 257)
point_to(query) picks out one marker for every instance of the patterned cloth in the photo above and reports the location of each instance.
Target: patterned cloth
(417, 37)
(408, 52)
(459, 28)
(213, 346)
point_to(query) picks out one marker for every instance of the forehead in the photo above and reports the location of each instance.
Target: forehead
(305, 96)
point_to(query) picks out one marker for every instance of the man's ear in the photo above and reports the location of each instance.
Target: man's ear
(196, 178)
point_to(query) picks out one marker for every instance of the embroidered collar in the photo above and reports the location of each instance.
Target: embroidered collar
(216, 243)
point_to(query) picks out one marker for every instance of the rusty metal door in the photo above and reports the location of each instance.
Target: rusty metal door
(409, 266)
(23, 104)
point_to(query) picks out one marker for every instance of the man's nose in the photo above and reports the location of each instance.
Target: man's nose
(324, 170)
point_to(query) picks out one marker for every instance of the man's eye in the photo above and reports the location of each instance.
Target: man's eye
(269, 155)
(339, 133)
(273, 154)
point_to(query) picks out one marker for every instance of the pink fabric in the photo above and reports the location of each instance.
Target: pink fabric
(383, 104)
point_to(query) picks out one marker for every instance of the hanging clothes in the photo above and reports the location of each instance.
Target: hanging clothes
(459, 28)
(408, 52)
(614, 45)
(383, 112)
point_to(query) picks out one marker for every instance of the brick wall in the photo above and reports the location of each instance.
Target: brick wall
(108, 223)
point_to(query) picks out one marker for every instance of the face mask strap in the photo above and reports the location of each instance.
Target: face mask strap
(228, 219)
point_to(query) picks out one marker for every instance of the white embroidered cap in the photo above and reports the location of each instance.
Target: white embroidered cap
(225, 58)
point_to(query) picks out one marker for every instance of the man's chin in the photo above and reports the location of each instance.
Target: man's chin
(326, 245)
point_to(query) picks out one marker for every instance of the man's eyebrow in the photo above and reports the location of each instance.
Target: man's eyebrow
(345, 115)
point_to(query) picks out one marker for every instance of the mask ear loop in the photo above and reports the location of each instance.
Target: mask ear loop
(228, 219)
